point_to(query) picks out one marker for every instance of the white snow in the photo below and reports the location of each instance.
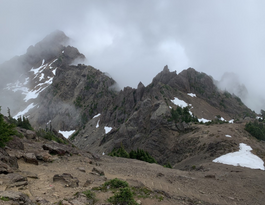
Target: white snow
(21, 113)
(228, 135)
(222, 119)
(231, 121)
(96, 115)
(179, 102)
(43, 61)
(107, 129)
(204, 120)
(54, 71)
(36, 70)
(41, 76)
(258, 117)
(192, 95)
(67, 134)
(243, 158)
(49, 122)
(62, 51)
(97, 124)
(170, 107)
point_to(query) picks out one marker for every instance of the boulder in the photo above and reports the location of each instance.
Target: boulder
(7, 163)
(30, 134)
(15, 143)
(67, 179)
(5, 168)
(31, 158)
(55, 149)
(18, 197)
(98, 170)
(44, 156)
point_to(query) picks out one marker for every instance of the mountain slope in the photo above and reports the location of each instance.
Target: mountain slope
(82, 98)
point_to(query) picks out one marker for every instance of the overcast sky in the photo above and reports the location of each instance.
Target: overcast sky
(134, 40)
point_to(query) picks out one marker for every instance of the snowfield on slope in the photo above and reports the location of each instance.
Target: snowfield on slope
(67, 134)
(179, 102)
(22, 113)
(192, 95)
(243, 158)
(107, 129)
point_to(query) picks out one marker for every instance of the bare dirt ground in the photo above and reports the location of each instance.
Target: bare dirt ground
(217, 184)
(206, 183)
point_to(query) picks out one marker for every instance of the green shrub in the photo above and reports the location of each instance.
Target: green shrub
(142, 155)
(124, 196)
(49, 135)
(90, 195)
(168, 165)
(116, 183)
(4, 198)
(256, 129)
(20, 122)
(6, 131)
(119, 152)
(182, 115)
(24, 123)
(139, 154)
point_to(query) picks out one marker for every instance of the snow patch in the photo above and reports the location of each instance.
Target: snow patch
(41, 77)
(21, 113)
(67, 134)
(228, 135)
(204, 120)
(107, 129)
(97, 124)
(54, 71)
(192, 95)
(96, 115)
(243, 158)
(222, 119)
(170, 107)
(62, 51)
(179, 102)
(43, 61)
(231, 121)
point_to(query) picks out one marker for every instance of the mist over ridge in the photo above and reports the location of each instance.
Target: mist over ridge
(212, 37)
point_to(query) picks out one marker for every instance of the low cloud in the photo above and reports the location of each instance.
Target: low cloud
(134, 40)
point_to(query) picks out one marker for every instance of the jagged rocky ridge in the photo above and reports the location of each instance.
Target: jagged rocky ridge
(138, 118)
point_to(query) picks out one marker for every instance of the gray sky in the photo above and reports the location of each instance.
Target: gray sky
(133, 40)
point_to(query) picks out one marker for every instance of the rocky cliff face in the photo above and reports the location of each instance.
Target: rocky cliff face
(82, 98)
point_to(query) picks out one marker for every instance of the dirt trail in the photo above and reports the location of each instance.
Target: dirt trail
(219, 184)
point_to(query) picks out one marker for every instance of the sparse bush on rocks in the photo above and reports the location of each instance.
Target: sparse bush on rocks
(256, 129)
(138, 154)
(6, 131)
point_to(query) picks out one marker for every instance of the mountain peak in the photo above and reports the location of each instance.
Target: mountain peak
(164, 76)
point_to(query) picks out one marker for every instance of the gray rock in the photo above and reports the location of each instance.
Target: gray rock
(82, 169)
(16, 143)
(98, 170)
(7, 163)
(16, 197)
(67, 179)
(31, 158)
(87, 183)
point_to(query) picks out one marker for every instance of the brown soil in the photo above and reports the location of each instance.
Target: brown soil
(200, 181)
(213, 184)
